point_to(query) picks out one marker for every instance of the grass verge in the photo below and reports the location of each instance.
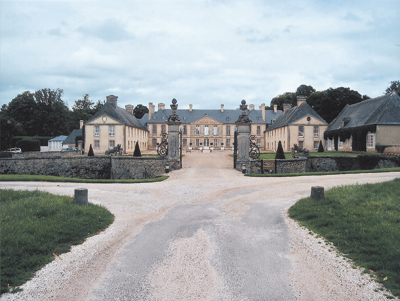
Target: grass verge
(39, 178)
(36, 225)
(363, 222)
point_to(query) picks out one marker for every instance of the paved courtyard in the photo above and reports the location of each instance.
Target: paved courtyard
(206, 233)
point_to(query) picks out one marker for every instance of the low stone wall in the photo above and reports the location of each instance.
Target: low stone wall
(332, 163)
(85, 167)
(291, 165)
(46, 154)
(137, 168)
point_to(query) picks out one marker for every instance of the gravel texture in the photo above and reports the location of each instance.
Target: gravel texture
(206, 233)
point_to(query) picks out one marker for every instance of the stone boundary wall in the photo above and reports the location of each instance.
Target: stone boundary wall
(328, 163)
(45, 154)
(291, 165)
(137, 168)
(86, 167)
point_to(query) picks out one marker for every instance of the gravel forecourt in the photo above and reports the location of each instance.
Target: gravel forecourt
(206, 233)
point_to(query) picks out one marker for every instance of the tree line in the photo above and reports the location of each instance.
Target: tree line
(45, 113)
(328, 103)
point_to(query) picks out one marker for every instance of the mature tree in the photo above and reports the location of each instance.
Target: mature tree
(22, 110)
(305, 90)
(8, 129)
(329, 103)
(139, 111)
(288, 97)
(83, 109)
(394, 87)
(42, 113)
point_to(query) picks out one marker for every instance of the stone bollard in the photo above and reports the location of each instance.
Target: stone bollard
(317, 193)
(81, 196)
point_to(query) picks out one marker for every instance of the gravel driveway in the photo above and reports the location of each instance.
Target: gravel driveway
(206, 233)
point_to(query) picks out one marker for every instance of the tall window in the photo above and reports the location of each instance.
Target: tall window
(96, 131)
(228, 131)
(206, 130)
(111, 130)
(197, 130)
(215, 142)
(301, 144)
(258, 130)
(370, 140)
(258, 142)
(163, 129)
(197, 142)
(228, 142)
(184, 130)
(301, 131)
(154, 131)
(154, 142)
(316, 131)
(215, 130)
(96, 144)
(184, 142)
(111, 144)
(316, 144)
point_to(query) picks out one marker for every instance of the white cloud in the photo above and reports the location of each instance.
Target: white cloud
(201, 52)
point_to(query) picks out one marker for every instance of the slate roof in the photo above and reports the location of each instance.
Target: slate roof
(121, 115)
(376, 111)
(71, 138)
(293, 115)
(59, 138)
(225, 117)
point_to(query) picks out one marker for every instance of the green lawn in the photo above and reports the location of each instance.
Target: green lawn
(363, 222)
(36, 225)
(39, 178)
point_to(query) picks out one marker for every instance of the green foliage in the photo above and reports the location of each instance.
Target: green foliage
(359, 135)
(137, 152)
(320, 147)
(394, 87)
(43, 140)
(279, 152)
(90, 153)
(37, 224)
(305, 90)
(28, 144)
(329, 103)
(363, 223)
(288, 97)
(139, 111)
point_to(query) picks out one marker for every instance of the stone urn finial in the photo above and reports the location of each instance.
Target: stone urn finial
(174, 106)
(243, 118)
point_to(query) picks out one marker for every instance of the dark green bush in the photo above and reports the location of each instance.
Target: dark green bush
(137, 152)
(43, 140)
(279, 152)
(28, 144)
(320, 147)
(90, 153)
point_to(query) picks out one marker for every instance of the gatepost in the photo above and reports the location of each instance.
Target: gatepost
(173, 137)
(243, 125)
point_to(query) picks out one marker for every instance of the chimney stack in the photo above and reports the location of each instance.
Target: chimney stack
(251, 107)
(275, 108)
(262, 108)
(129, 108)
(151, 109)
(222, 108)
(286, 107)
(161, 106)
(301, 99)
(112, 99)
(190, 107)
(80, 124)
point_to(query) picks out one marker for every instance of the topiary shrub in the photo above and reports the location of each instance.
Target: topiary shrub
(320, 147)
(137, 153)
(90, 153)
(28, 145)
(279, 152)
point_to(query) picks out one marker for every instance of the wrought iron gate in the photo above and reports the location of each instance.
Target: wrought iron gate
(235, 149)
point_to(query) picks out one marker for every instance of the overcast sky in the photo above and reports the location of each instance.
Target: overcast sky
(205, 53)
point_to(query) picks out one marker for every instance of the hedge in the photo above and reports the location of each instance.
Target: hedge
(28, 144)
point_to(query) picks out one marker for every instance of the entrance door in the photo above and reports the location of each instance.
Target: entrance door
(206, 142)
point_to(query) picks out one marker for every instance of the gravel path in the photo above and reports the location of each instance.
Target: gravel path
(206, 233)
